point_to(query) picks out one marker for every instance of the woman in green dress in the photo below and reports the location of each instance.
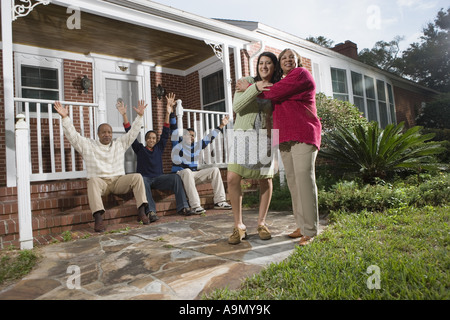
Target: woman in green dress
(251, 139)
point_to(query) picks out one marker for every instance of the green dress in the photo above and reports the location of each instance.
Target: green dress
(251, 154)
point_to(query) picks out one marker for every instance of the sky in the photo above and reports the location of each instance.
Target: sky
(363, 22)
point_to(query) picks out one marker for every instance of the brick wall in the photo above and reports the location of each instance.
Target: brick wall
(408, 104)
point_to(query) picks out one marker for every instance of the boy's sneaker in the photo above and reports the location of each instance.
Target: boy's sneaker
(198, 210)
(153, 216)
(185, 212)
(222, 205)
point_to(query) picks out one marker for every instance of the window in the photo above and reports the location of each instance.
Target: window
(213, 92)
(358, 92)
(39, 83)
(370, 99)
(391, 104)
(38, 77)
(339, 81)
(382, 105)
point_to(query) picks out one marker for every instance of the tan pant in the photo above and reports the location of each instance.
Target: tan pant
(98, 187)
(299, 165)
(192, 178)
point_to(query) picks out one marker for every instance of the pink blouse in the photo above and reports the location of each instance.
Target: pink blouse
(295, 113)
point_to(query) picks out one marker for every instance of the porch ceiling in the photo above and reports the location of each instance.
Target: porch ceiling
(46, 27)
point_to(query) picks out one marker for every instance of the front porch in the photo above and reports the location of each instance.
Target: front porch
(148, 50)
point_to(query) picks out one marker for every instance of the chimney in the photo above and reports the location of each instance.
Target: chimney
(348, 49)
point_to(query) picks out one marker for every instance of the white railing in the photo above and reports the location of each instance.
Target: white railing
(203, 122)
(51, 156)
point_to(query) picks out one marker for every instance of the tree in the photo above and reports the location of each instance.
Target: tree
(321, 41)
(384, 55)
(373, 153)
(428, 62)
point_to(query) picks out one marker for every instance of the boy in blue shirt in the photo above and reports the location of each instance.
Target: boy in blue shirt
(150, 164)
(185, 155)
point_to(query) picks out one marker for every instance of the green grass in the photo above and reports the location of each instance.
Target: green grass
(409, 246)
(16, 264)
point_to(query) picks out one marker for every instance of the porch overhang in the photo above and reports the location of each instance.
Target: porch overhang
(127, 29)
(46, 27)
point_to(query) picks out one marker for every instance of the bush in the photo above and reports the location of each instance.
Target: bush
(373, 153)
(352, 197)
(436, 114)
(332, 112)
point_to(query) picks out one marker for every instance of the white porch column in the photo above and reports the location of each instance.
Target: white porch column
(23, 183)
(227, 80)
(8, 87)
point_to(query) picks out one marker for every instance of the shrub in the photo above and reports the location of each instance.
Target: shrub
(332, 112)
(377, 153)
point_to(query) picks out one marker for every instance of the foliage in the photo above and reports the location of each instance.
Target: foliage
(14, 265)
(321, 41)
(333, 112)
(408, 245)
(352, 197)
(428, 62)
(436, 114)
(384, 55)
(376, 153)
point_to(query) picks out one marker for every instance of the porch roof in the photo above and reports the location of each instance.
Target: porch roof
(108, 34)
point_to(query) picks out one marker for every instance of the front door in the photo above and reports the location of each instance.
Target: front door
(129, 92)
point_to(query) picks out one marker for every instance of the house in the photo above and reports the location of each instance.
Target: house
(91, 54)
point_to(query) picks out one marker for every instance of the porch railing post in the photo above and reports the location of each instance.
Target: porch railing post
(101, 110)
(23, 183)
(179, 114)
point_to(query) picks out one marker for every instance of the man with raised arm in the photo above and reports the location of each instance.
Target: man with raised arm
(105, 163)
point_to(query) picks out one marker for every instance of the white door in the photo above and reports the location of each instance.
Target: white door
(129, 92)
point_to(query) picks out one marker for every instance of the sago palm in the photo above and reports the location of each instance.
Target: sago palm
(374, 152)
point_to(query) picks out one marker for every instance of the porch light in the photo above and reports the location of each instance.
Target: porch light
(160, 92)
(86, 84)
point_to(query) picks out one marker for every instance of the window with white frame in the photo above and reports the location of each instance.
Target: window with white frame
(372, 114)
(382, 104)
(339, 82)
(358, 92)
(391, 104)
(39, 78)
(373, 97)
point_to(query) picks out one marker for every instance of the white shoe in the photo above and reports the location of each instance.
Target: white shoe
(222, 205)
(198, 210)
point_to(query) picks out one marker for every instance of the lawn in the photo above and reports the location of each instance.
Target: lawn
(399, 253)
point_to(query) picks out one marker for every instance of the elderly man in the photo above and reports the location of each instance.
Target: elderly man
(104, 159)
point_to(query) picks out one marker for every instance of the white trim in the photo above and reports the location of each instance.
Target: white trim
(108, 67)
(38, 61)
(8, 88)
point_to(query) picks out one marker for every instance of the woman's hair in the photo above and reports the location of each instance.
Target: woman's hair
(274, 59)
(278, 70)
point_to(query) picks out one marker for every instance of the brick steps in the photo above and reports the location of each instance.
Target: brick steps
(63, 205)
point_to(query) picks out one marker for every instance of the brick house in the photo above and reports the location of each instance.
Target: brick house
(128, 49)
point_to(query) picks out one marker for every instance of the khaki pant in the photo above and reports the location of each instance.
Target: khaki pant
(299, 166)
(98, 187)
(192, 178)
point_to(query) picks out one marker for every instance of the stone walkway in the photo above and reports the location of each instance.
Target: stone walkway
(178, 260)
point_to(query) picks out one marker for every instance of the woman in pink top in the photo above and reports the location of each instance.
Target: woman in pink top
(295, 116)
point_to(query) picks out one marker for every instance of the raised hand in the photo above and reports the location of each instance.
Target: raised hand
(224, 121)
(121, 107)
(171, 103)
(140, 108)
(63, 111)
